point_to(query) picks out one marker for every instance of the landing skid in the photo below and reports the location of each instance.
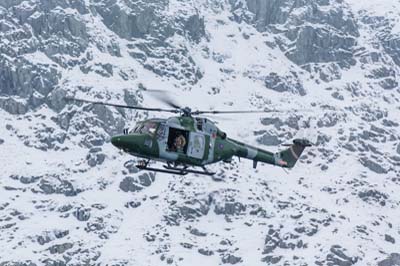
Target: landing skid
(205, 172)
(143, 165)
(168, 171)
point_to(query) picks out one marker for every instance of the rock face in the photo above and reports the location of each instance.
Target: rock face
(47, 38)
(282, 84)
(325, 70)
(298, 30)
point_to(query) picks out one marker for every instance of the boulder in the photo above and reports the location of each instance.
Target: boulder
(129, 184)
(271, 259)
(230, 208)
(338, 257)
(392, 260)
(82, 214)
(373, 196)
(60, 248)
(373, 166)
(268, 140)
(57, 185)
(231, 259)
(390, 239)
(146, 179)
(205, 252)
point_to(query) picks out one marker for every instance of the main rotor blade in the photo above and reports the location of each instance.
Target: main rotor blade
(164, 96)
(124, 106)
(247, 112)
(232, 112)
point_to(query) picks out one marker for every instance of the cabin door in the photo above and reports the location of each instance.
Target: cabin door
(196, 145)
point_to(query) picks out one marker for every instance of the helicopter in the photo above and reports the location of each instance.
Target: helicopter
(187, 141)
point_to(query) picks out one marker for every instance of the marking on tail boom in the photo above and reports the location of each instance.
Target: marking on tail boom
(293, 153)
(282, 163)
(278, 160)
(251, 153)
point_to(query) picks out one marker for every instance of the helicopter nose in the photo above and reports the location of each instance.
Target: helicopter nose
(126, 142)
(116, 141)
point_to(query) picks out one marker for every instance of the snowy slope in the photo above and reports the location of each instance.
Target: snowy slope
(70, 198)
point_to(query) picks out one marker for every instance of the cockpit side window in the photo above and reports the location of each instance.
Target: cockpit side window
(137, 128)
(145, 128)
(161, 131)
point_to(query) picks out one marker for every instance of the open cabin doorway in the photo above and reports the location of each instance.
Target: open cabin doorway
(178, 140)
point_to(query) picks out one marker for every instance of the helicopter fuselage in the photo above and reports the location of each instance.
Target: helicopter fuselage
(186, 140)
(195, 141)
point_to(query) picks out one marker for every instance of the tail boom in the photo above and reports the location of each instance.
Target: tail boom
(286, 158)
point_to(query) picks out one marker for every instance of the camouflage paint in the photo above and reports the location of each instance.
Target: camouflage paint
(217, 147)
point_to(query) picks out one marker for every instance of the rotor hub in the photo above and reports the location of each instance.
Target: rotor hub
(186, 111)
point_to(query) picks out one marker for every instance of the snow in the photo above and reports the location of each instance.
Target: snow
(304, 187)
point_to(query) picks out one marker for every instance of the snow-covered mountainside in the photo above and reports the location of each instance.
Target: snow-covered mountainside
(68, 197)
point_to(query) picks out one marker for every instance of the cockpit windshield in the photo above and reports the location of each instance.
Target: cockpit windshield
(145, 128)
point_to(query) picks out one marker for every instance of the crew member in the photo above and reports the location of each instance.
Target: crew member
(180, 143)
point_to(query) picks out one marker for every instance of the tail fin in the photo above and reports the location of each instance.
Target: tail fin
(288, 158)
